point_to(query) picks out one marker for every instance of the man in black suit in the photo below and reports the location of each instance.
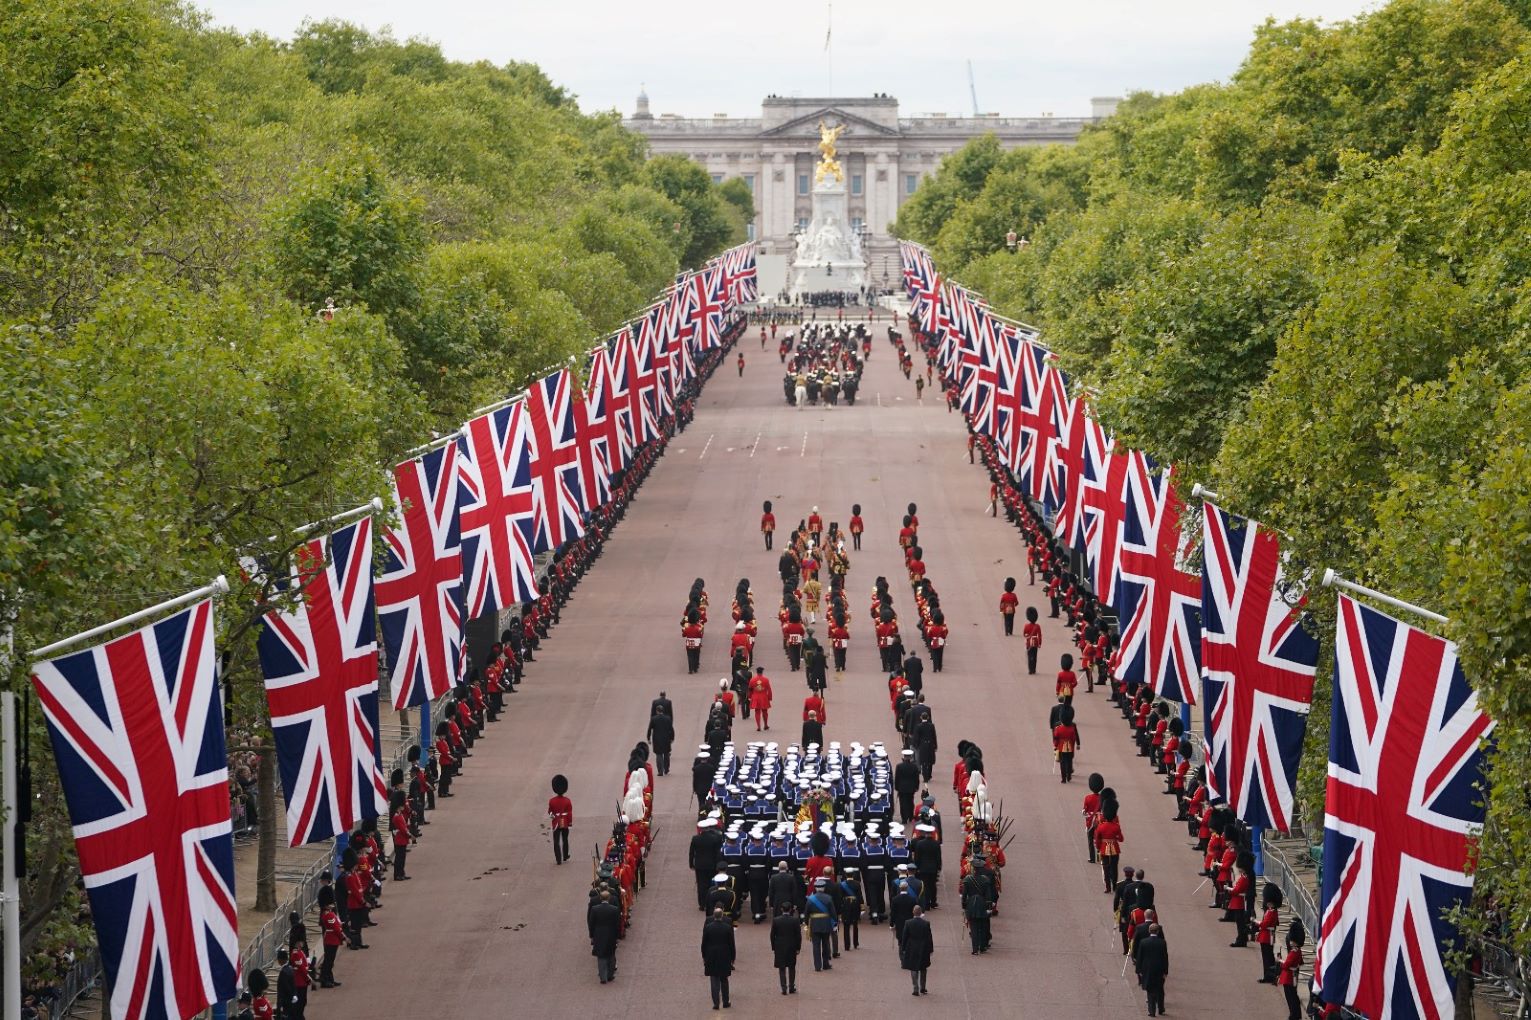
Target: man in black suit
(901, 910)
(662, 704)
(906, 783)
(1122, 902)
(718, 955)
(704, 857)
(661, 736)
(786, 943)
(1154, 966)
(914, 673)
(604, 920)
(915, 947)
(783, 889)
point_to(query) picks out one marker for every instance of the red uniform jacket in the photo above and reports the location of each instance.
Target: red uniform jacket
(814, 703)
(1237, 894)
(905, 537)
(1065, 739)
(1067, 681)
(1289, 967)
(739, 642)
(793, 633)
(260, 1008)
(760, 693)
(767, 522)
(334, 934)
(1269, 922)
(400, 824)
(1007, 603)
(936, 634)
(1091, 810)
(561, 811)
(856, 526)
(1109, 839)
(356, 891)
(815, 522)
(839, 637)
(1032, 632)
(299, 961)
(727, 697)
(691, 635)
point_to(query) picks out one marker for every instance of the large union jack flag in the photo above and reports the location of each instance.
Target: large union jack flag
(320, 663)
(703, 306)
(494, 456)
(1081, 462)
(1104, 495)
(1161, 603)
(666, 332)
(557, 486)
(594, 475)
(420, 602)
(604, 397)
(1401, 813)
(137, 731)
(1043, 397)
(642, 385)
(1257, 666)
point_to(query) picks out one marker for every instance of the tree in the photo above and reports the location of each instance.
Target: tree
(705, 225)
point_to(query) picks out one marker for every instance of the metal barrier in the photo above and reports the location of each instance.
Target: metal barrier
(82, 978)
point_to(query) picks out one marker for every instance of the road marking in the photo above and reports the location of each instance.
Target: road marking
(804, 451)
(756, 445)
(707, 446)
(879, 398)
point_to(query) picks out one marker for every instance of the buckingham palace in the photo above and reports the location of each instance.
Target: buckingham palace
(885, 156)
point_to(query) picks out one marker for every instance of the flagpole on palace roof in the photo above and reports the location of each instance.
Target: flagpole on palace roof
(1333, 580)
(219, 586)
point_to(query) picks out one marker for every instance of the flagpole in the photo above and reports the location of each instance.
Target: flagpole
(374, 505)
(829, 48)
(10, 882)
(219, 586)
(1334, 580)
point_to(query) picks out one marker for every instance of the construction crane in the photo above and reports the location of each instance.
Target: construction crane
(972, 88)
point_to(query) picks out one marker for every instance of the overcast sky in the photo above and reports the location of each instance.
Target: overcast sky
(697, 59)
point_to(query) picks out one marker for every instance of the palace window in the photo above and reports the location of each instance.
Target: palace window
(749, 182)
(717, 178)
(855, 184)
(911, 181)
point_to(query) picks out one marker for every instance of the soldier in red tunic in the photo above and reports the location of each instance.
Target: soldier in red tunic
(691, 638)
(935, 636)
(1108, 843)
(1065, 742)
(1091, 811)
(1008, 602)
(815, 525)
(814, 705)
(1031, 633)
(839, 640)
(760, 698)
(560, 818)
(767, 523)
(792, 633)
(1067, 680)
(857, 526)
(1270, 920)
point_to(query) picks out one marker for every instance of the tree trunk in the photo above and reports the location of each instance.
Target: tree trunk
(265, 847)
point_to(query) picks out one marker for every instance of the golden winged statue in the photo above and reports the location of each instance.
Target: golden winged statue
(829, 166)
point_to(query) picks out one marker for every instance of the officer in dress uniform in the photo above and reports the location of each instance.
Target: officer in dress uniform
(874, 871)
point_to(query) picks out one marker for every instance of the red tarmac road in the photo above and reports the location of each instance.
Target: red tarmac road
(490, 927)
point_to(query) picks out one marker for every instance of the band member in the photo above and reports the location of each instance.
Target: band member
(839, 640)
(767, 521)
(1007, 606)
(1108, 843)
(792, 634)
(691, 637)
(935, 637)
(1031, 633)
(1067, 679)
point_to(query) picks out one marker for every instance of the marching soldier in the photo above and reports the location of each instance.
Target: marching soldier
(560, 818)
(857, 526)
(691, 637)
(767, 523)
(839, 640)
(1108, 843)
(935, 636)
(1008, 601)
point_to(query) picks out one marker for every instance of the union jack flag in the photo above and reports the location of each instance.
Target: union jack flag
(594, 475)
(739, 274)
(497, 516)
(604, 398)
(1257, 664)
(420, 602)
(643, 386)
(1081, 457)
(1401, 814)
(320, 663)
(1104, 495)
(667, 334)
(980, 381)
(137, 731)
(1161, 640)
(1009, 397)
(1043, 398)
(704, 307)
(557, 498)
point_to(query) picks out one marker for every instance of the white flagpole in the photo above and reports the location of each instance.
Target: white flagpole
(1334, 580)
(10, 884)
(219, 586)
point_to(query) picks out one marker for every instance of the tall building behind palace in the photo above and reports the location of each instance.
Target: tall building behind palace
(885, 157)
